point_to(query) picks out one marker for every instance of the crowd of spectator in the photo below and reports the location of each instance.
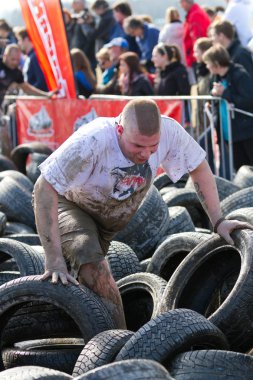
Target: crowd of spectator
(116, 52)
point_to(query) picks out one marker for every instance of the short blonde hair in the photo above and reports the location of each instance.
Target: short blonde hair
(103, 54)
(171, 15)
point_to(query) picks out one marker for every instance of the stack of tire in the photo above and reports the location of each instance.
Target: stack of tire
(187, 294)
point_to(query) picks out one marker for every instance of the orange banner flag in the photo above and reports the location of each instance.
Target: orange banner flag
(45, 26)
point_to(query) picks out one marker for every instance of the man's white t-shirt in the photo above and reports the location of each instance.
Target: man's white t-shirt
(90, 169)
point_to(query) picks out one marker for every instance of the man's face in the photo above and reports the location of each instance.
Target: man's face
(12, 59)
(136, 147)
(115, 52)
(77, 6)
(23, 44)
(138, 32)
(213, 68)
(216, 38)
(185, 5)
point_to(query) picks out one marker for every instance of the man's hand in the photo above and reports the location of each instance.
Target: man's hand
(58, 271)
(227, 226)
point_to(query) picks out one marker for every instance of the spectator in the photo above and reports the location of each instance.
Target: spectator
(132, 80)
(11, 74)
(195, 26)
(116, 47)
(203, 75)
(146, 36)
(84, 77)
(105, 64)
(238, 12)
(31, 69)
(83, 31)
(104, 29)
(223, 33)
(121, 10)
(7, 36)
(211, 12)
(69, 25)
(171, 75)
(173, 30)
(232, 82)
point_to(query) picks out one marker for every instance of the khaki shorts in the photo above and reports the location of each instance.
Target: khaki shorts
(82, 240)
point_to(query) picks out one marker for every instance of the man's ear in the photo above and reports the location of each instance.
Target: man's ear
(120, 129)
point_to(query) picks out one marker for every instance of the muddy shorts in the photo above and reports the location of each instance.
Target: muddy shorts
(82, 240)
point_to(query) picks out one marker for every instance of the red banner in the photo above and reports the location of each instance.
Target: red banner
(53, 121)
(45, 26)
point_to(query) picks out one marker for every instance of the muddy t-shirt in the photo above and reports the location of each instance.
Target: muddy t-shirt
(90, 169)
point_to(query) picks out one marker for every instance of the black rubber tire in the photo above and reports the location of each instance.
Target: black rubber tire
(204, 271)
(32, 170)
(3, 221)
(243, 214)
(241, 199)
(133, 369)
(224, 187)
(101, 350)
(141, 294)
(38, 343)
(172, 252)
(16, 202)
(33, 373)
(20, 153)
(18, 177)
(147, 226)
(244, 176)
(50, 355)
(17, 228)
(38, 320)
(8, 276)
(212, 364)
(81, 304)
(122, 260)
(179, 221)
(144, 264)
(163, 180)
(31, 239)
(28, 260)
(188, 198)
(6, 163)
(172, 333)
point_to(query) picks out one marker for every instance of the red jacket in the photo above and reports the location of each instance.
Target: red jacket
(195, 26)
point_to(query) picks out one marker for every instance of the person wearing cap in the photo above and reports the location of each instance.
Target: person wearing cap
(116, 47)
(93, 184)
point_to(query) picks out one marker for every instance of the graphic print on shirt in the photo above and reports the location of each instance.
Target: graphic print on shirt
(129, 180)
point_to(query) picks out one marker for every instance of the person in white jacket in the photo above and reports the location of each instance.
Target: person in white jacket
(238, 12)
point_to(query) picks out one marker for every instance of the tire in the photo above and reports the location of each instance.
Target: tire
(20, 178)
(128, 370)
(244, 176)
(141, 294)
(172, 252)
(171, 333)
(12, 228)
(224, 187)
(241, 199)
(213, 267)
(51, 355)
(101, 350)
(3, 221)
(28, 260)
(147, 226)
(16, 202)
(32, 170)
(21, 152)
(188, 199)
(80, 303)
(6, 163)
(163, 180)
(33, 373)
(212, 364)
(8, 276)
(122, 260)
(144, 264)
(30, 239)
(179, 221)
(243, 214)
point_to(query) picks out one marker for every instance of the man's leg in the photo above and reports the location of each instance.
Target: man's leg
(97, 277)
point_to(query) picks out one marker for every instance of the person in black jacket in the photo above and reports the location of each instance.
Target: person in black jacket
(223, 33)
(104, 29)
(233, 83)
(171, 75)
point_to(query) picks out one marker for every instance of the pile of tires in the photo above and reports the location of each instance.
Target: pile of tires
(187, 294)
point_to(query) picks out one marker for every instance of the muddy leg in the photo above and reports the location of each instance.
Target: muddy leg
(98, 278)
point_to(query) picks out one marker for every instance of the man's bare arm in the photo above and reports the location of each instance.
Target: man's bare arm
(205, 186)
(46, 216)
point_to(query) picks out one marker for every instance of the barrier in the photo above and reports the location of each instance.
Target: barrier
(53, 121)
